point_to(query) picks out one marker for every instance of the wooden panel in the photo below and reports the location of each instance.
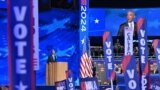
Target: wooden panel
(55, 71)
(61, 67)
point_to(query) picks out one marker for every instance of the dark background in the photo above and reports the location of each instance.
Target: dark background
(73, 4)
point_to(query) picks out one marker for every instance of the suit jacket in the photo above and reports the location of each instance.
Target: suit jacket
(51, 59)
(122, 26)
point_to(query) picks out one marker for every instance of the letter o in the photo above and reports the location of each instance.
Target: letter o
(142, 41)
(108, 52)
(20, 31)
(83, 15)
(71, 85)
(132, 84)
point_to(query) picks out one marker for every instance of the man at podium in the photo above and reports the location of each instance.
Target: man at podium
(52, 57)
(130, 23)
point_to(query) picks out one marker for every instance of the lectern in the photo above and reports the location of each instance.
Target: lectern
(55, 71)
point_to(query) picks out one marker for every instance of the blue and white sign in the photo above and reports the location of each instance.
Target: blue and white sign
(89, 84)
(143, 51)
(70, 80)
(131, 76)
(36, 35)
(61, 85)
(108, 55)
(83, 32)
(20, 41)
(128, 32)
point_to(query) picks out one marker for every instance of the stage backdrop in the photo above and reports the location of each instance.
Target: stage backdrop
(58, 30)
(110, 19)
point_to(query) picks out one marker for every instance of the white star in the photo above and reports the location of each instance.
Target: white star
(21, 86)
(82, 41)
(96, 21)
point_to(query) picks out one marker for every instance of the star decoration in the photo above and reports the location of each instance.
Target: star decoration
(21, 86)
(82, 41)
(96, 21)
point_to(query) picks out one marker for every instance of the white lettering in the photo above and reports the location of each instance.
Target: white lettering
(20, 46)
(142, 32)
(21, 66)
(108, 51)
(108, 44)
(132, 84)
(109, 58)
(110, 66)
(20, 14)
(142, 42)
(130, 73)
(142, 59)
(20, 31)
(144, 82)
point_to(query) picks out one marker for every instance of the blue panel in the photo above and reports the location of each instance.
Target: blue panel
(114, 17)
(3, 3)
(58, 30)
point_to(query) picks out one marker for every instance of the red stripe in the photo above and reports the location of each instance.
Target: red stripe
(155, 43)
(105, 36)
(139, 24)
(86, 65)
(113, 75)
(83, 86)
(83, 65)
(31, 42)
(83, 2)
(83, 70)
(9, 45)
(82, 73)
(125, 62)
(146, 70)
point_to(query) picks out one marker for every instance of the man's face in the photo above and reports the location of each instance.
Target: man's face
(53, 52)
(130, 16)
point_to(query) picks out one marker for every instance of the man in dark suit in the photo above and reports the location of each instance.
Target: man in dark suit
(52, 57)
(130, 23)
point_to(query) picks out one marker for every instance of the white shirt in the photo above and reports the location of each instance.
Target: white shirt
(131, 25)
(53, 57)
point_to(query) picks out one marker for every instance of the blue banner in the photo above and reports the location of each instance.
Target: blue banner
(89, 84)
(128, 41)
(83, 25)
(20, 44)
(108, 55)
(61, 85)
(143, 51)
(156, 46)
(97, 22)
(83, 32)
(131, 77)
(70, 80)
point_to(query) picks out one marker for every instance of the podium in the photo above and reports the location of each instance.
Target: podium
(55, 71)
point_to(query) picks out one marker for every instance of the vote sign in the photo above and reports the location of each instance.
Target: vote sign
(89, 84)
(20, 42)
(131, 77)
